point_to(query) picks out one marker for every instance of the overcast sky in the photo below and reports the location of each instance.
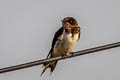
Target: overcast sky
(28, 26)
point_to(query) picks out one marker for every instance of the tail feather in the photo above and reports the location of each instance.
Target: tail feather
(45, 69)
(51, 65)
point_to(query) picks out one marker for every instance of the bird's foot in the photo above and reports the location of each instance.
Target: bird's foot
(64, 56)
(71, 53)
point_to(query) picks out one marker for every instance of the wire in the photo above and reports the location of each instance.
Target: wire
(73, 54)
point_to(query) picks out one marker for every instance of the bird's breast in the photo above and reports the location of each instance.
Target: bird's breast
(70, 37)
(66, 44)
(69, 41)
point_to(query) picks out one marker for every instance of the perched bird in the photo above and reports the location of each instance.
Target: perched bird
(63, 42)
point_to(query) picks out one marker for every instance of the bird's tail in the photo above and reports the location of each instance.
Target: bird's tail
(50, 65)
(46, 66)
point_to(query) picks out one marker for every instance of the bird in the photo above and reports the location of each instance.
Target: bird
(63, 42)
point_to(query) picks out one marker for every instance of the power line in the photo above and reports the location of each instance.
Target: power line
(78, 53)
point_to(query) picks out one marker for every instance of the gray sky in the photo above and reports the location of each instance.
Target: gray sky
(28, 26)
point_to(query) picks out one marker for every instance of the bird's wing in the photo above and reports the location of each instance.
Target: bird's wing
(56, 37)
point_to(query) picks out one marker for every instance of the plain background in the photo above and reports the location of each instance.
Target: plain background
(28, 26)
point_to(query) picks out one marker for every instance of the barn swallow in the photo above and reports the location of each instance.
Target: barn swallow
(63, 42)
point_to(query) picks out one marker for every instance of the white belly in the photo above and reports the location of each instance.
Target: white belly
(65, 45)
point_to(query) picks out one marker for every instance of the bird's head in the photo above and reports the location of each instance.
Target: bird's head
(69, 22)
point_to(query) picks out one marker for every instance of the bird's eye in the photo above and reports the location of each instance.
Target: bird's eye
(71, 21)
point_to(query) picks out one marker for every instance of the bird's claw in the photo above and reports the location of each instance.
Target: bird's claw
(71, 53)
(64, 56)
